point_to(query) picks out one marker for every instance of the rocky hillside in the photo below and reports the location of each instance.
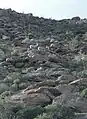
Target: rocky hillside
(43, 67)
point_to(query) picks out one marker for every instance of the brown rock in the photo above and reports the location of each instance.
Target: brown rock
(38, 96)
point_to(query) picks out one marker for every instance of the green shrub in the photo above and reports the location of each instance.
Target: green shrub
(11, 77)
(29, 112)
(56, 112)
(22, 85)
(72, 44)
(3, 87)
(63, 113)
(5, 113)
(84, 93)
(43, 116)
(51, 108)
(14, 87)
(16, 81)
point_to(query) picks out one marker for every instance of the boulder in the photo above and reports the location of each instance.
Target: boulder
(65, 79)
(37, 96)
(73, 100)
(65, 88)
(2, 55)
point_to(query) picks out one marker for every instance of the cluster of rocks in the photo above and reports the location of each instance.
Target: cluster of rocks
(38, 60)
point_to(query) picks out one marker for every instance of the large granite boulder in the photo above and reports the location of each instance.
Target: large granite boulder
(38, 96)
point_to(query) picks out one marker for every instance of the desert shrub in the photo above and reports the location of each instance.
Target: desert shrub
(78, 65)
(56, 112)
(9, 111)
(17, 81)
(22, 85)
(29, 112)
(11, 77)
(43, 116)
(5, 113)
(81, 59)
(3, 87)
(84, 93)
(82, 73)
(73, 44)
(14, 87)
(48, 111)
(63, 113)
(51, 108)
(12, 111)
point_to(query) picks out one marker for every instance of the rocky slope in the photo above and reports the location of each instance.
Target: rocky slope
(43, 62)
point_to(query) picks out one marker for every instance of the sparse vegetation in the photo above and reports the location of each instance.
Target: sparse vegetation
(42, 62)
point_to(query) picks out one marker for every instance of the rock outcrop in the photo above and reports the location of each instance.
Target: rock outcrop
(43, 61)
